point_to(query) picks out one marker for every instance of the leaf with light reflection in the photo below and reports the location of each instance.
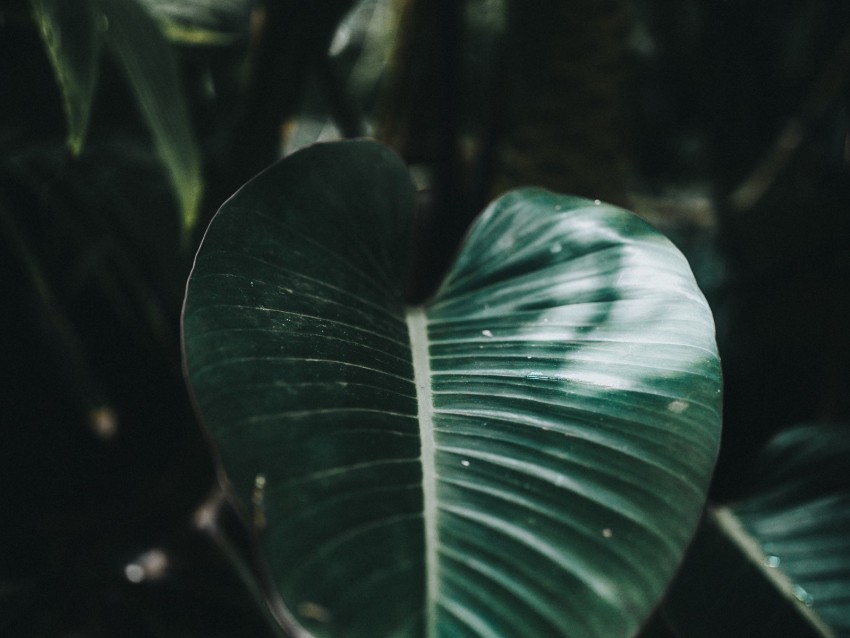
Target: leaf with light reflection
(526, 454)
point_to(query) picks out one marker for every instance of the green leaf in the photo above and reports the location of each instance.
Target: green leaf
(778, 561)
(201, 22)
(725, 587)
(799, 515)
(525, 455)
(70, 34)
(146, 57)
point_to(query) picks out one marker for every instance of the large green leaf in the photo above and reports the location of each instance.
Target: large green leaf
(525, 455)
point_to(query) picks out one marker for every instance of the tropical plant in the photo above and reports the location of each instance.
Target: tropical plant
(421, 424)
(527, 453)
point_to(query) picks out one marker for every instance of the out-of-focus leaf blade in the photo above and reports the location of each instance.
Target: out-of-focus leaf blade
(146, 57)
(726, 587)
(70, 33)
(799, 513)
(203, 22)
(525, 455)
(778, 561)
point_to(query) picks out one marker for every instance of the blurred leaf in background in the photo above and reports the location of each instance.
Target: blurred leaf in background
(70, 33)
(787, 543)
(74, 34)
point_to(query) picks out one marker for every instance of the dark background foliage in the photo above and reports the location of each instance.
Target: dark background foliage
(725, 123)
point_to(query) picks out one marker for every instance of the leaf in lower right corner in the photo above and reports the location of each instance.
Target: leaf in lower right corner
(799, 512)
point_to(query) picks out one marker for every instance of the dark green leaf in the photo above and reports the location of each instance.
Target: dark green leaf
(146, 57)
(525, 455)
(799, 515)
(70, 33)
(777, 562)
(725, 588)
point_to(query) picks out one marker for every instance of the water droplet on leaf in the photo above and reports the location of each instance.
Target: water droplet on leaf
(803, 596)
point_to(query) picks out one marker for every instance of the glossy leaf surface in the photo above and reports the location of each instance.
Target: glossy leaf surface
(525, 455)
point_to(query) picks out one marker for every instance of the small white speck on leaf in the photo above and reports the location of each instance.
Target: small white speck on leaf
(487, 333)
(677, 406)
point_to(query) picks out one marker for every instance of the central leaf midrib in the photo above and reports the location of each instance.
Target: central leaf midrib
(417, 325)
